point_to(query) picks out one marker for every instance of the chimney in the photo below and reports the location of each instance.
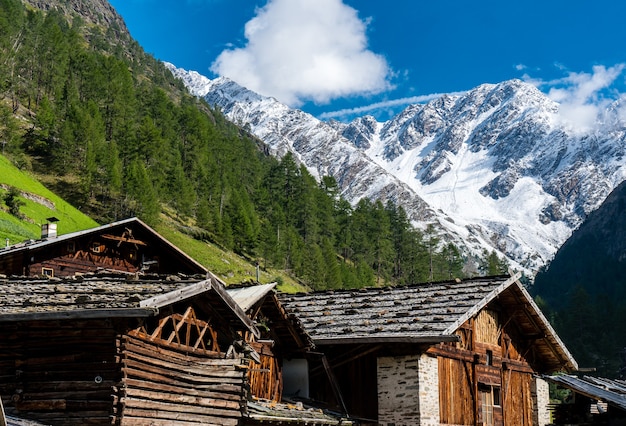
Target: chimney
(49, 229)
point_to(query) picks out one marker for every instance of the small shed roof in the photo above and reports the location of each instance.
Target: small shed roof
(247, 297)
(423, 313)
(286, 327)
(110, 295)
(610, 391)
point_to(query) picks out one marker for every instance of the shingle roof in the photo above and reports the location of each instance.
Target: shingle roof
(109, 295)
(422, 312)
(246, 297)
(610, 391)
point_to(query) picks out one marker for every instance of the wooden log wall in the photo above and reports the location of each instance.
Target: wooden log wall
(81, 261)
(59, 372)
(166, 386)
(266, 379)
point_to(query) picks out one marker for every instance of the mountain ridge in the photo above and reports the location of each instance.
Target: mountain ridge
(495, 168)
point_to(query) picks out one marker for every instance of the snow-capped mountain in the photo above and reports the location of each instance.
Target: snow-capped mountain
(494, 168)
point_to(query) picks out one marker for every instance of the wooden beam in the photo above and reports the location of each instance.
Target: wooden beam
(81, 314)
(124, 239)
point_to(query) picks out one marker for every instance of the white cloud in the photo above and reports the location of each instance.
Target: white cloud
(383, 105)
(581, 96)
(301, 50)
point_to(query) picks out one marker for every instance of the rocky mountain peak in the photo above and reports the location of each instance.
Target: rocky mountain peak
(98, 12)
(493, 168)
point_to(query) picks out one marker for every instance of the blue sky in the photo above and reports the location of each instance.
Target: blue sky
(341, 58)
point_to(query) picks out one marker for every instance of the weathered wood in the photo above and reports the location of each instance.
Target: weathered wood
(225, 392)
(176, 411)
(165, 397)
(152, 418)
(143, 345)
(196, 376)
(167, 384)
(172, 381)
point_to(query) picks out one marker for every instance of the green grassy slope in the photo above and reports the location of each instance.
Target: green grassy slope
(39, 204)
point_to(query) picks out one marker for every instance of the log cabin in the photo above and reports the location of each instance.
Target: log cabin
(276, 389)
(128, 246)
(123, 349)
(464, 352)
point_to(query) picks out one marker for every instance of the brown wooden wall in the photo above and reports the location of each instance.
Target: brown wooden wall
(518, 399)
(488, 356)
(166, 386)
(265, 378)
(59, 372)
(456, 392)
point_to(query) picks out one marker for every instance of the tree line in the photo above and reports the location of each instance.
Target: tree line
(86, 102)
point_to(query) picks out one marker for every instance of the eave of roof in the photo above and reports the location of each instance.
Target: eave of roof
(247, 297)
(436, 338)
(594, 388)
(421, 314)
(103, 296)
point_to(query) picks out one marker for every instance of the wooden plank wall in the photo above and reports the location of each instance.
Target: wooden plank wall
(518, 400)
(58, 372)
(167, 386)
(266, 378)
(456, 392)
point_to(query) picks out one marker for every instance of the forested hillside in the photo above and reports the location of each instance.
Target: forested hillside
(107, 126)
(584, 288)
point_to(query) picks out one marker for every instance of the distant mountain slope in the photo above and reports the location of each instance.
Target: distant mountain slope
(592, 259)
(584, 288)
(494, 168)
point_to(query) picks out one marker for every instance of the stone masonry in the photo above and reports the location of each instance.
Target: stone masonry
(408, 392)
(541, 400)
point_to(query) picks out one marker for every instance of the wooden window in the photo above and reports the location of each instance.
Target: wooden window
(48, 272)
(489, 360)
(489, 401)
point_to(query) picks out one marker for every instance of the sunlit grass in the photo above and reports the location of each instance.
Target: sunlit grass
(34, 213)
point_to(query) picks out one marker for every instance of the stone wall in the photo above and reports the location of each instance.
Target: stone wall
(408, 392)
(541, 400)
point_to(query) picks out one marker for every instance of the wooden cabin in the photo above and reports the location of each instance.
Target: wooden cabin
(102, 349)
(127, 246)
(275, 378)
(453, 353)
(590, 401)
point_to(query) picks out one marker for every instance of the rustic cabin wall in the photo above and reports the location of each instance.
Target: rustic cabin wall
(265, 378)
(166, 385)
(59, 372)
(457, 394)
(518, 398)
(61, 262)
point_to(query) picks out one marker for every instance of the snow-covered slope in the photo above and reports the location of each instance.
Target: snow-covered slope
(494, 168)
